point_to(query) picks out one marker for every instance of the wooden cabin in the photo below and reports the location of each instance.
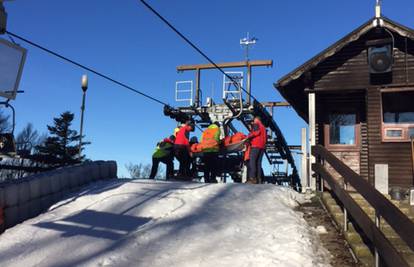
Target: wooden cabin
(362, 90)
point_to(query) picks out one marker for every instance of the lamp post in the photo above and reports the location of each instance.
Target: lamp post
(84, 88)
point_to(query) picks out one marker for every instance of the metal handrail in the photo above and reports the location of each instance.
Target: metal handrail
(401, 224)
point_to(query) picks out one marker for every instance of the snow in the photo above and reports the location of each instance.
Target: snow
(153, 223)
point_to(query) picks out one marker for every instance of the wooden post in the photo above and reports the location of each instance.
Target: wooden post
(378, 225)
(304, 161)
(312, 137)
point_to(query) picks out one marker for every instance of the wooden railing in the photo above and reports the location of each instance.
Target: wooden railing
(401, 224)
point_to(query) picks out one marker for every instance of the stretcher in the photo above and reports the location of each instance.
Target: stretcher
(230, 144)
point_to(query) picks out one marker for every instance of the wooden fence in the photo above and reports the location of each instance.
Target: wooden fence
(401, 224)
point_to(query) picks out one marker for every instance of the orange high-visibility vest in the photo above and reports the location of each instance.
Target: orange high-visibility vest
(210, 139)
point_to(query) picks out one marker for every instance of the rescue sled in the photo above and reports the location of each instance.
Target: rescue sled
(230, 144)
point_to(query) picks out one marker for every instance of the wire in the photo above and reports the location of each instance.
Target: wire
(195, 47)
(11, 39)
(86, 68)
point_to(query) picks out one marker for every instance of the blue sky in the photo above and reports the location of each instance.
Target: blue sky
(124, 40)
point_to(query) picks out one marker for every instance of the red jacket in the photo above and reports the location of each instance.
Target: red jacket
(182, 135)
(258, 135)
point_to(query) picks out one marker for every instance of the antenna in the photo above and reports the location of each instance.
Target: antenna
(247, 42)
(378, 9)
(378, 21)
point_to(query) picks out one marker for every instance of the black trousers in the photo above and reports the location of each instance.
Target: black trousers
(169, 161)
(255, 164)
(183, 156)
(210, 160)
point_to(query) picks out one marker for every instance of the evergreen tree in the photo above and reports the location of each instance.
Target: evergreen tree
(62, 146)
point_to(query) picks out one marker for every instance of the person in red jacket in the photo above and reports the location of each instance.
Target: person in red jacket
(182, 149)
(258, 139)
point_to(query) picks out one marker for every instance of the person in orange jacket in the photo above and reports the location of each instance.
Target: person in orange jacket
(182, 149)
(258, 140)
(210, 140)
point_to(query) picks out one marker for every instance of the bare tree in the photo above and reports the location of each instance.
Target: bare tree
(28, 139)
(141, 170)
(4, 123)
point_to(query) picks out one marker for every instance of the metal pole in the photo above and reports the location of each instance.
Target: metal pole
(312, 137)
(304, 161)
(84, 88)
(197, 93)
(3, 18)
(249, 82)
(81, 123)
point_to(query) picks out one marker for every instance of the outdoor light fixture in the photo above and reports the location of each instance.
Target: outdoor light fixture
(84, 86)
(12, 59)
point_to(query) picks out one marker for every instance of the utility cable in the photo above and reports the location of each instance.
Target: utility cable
(195, 47)
(86, 68)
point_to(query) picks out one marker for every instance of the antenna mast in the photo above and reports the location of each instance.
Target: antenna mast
(247, 42)
(378, 21)
(378, 9)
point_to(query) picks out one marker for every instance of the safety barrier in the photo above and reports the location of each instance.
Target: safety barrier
(401, 224)
(28, 197)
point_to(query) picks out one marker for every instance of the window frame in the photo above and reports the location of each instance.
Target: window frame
(404, 127)
(357, 132)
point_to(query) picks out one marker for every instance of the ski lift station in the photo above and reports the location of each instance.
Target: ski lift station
(355, 163)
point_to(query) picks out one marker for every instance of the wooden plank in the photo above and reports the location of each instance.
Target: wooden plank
(240, 64)
(388, 253)
(398, 220)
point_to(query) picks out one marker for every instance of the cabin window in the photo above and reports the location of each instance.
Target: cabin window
(342, 129)
(397, 116)
(411, 133)
(398, 107)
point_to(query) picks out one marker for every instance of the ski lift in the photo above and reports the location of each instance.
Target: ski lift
(12, 59)
(7, 143)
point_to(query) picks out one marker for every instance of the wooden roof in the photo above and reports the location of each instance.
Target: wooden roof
(294, 78)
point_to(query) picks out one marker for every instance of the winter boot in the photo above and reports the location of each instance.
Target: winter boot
(251, 181)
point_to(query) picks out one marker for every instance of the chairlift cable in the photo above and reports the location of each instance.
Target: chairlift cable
(86, 68)
(195, 47)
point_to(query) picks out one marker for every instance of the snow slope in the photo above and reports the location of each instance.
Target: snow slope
(148, 223)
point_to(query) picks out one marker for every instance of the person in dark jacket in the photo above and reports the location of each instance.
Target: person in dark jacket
(182, 149)
(258, 139)
(164, 153)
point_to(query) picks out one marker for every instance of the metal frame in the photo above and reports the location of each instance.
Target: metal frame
(12, 95)
(178, 91)
(227, 82)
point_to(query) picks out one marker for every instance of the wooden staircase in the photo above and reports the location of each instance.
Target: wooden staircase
(359, 243)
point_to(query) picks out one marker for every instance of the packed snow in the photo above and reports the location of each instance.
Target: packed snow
(153, 223)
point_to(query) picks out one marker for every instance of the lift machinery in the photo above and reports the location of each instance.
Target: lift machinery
(237, 104)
